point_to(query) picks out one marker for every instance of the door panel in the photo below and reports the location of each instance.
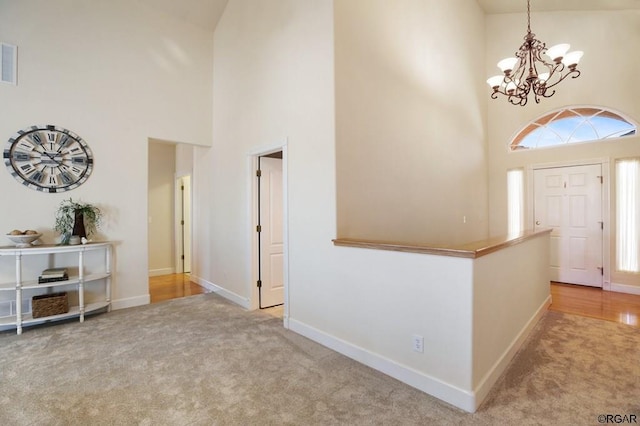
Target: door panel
(554, 211)
(578, 211)
(555, 252)
(577, 250)
(276, 278)
(569, 200)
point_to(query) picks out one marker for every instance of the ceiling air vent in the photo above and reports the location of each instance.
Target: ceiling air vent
(8, 63)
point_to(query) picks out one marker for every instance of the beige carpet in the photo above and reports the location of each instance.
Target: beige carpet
(204, 361)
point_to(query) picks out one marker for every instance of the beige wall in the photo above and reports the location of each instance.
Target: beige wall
(162, 166)
(184, 159)
(510, 294)
(273, 85)
(116, 73)
(608, 75)
(410, 146)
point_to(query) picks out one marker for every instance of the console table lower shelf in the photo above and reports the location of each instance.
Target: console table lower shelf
(74, 312)
(100, 273)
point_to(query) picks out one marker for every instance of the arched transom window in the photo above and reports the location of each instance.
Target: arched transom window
(572, 125)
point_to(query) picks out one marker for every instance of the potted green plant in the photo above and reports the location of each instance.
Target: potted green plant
(77, 219)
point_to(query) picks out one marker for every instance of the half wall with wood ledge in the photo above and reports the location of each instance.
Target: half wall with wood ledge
(478, 303)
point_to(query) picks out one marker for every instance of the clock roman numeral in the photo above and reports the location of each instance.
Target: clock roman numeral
(36, 137)
(20, 156)
(38, 176)
(66, 178)
(27, 168)
(23, 144)
(78, 160)
(64, 140)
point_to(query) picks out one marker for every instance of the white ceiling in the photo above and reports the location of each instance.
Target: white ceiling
(206, 13)
(202, 13)
(512, 6)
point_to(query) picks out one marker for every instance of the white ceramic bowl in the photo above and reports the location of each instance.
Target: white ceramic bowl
(23, 240)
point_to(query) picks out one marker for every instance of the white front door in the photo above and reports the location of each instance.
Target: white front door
(271, 234)
(569, 200)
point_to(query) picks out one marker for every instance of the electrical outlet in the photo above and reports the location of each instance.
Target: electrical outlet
(418, 343)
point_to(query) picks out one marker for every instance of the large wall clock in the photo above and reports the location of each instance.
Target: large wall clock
(48, 158)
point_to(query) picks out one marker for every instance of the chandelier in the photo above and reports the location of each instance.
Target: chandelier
(530, 72)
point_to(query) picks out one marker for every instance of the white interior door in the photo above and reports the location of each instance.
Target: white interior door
(569, 200)
(271, 234)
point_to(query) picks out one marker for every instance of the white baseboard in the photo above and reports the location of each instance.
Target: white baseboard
(435, 387)
(130, 302)
(625, 288)
(482, 390)
(162, 271)
(229, 295)
(466, 400)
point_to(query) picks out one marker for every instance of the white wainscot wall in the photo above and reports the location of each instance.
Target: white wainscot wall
(473, 305)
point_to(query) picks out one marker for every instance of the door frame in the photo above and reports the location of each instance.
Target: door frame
(253, 205)
(606, 205)
(178, 229)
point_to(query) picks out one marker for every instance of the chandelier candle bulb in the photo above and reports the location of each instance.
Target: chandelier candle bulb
(507, 64)
(572, 58)
(558, 51)
(495, 81)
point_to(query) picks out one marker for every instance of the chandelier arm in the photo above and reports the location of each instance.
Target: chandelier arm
(517, 99)
(554, 70)
(573, 73)
(548, 95)
(536, 95)
(538, 48)
(522, 101)
(524, 85)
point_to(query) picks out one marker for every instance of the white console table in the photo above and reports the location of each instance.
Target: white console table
(79, 281)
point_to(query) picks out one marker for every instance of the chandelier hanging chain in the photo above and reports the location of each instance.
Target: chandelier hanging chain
(520, 74)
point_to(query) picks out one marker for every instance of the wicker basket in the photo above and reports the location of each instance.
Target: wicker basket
(46, 305)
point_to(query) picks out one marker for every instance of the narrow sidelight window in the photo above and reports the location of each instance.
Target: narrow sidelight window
(628, 214)
(515, 200)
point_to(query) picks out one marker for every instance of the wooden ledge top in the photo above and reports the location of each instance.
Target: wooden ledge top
(470, 250)
(53, 248)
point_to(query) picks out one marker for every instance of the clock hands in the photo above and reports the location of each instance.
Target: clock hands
(56, 157)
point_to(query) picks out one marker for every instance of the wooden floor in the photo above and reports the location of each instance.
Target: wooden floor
(165, 287)
(595, 303)
(572, 299)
